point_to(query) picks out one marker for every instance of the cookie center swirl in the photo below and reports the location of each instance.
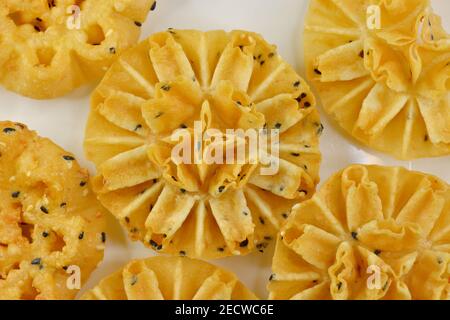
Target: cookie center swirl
(214, 143)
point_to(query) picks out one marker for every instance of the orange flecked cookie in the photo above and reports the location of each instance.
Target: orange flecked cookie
(387, 87)
(50, 220)
(167, 84)
(50, 47)
(371, 232)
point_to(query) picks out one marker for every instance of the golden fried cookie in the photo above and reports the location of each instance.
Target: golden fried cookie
(50, 47)
(51, 225)
(191, 82)
(387, 87)
(371, 232)
(170, 278)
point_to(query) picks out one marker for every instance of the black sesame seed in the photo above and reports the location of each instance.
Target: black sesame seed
(295, 154)
(221, 188)
(361, 54)
(355, 235)
(320, 129)
(426, 138)
(272, 277)
(307, 104)
(82, 183)
(137, 23)
(9, 130)
(278, 125)
(36, 261)
(81, 235)
(174, 179)
(134, 280)
(296, 84)
(63, 204)
(153, 7)
(15, 194)
(377, 252)
(182, 253)
(271, 55)
(261, 220)
(303, 191)
(244, 243)
(38, 19)
(339, 285)
(68, 158)
(284, 215)
(183, 126)
(44, 209)
(45, 234)
(183, 190)
(317, 71)
(159, 114)
(65, 268)
(301, 97)
(262, 63)
(220, 249)
(245, 213)
(159, 247)
(112, 50)
(165, 87)
(103, 237)
(268, 238)
(139, 126)
(153, 244)
(127, 220)
(37, 28)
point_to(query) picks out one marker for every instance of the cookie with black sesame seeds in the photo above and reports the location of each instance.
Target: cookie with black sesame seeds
(49, 217)
(386, 85)
(229, 81)
(170, 278)
(48, 47)
(369, 233)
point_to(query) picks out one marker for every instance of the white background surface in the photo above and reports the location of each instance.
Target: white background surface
(280, 22)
